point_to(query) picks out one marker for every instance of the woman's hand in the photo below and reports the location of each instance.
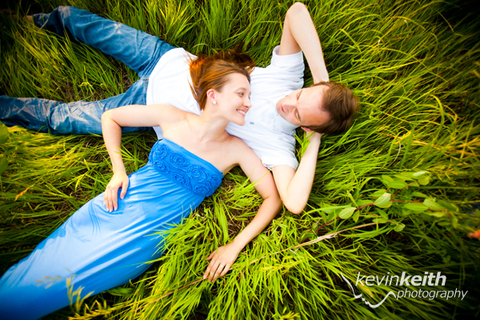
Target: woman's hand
(220, 261)
(119, 180)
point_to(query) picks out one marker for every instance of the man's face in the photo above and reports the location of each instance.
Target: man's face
(303, 107)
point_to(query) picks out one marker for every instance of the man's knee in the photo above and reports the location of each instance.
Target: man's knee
(80, 117)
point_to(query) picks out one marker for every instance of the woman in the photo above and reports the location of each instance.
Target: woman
(106, 243)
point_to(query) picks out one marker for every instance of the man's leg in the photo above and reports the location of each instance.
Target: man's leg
(138, 50)
(79, 117)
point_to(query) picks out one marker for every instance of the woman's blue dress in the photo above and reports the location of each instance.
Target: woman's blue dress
(95, 250)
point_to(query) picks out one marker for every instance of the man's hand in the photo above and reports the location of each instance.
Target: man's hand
(119, 180)
(312, 135)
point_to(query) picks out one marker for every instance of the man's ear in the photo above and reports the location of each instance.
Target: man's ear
(307, 129)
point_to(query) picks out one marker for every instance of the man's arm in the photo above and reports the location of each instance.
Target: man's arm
(293, 186)
(299, 33)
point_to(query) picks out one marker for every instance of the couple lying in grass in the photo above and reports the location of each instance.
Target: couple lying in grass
(210, 115)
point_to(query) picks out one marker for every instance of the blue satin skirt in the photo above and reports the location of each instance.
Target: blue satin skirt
(95, 250)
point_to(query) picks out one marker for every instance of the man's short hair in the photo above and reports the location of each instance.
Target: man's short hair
(341, 103)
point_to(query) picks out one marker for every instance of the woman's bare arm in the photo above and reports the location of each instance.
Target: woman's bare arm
(112, 123)
(222, 259)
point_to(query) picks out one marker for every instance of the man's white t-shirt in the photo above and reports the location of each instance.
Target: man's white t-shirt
(270, 136)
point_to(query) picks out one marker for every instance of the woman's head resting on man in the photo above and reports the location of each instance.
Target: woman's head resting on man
(325, 107)
(232, 99)
(223, 80)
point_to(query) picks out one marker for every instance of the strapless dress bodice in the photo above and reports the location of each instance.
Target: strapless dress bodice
(185, 168)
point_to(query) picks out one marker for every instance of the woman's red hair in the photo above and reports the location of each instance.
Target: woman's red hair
(211, 72)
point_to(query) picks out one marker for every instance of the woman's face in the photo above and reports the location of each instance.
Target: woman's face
(234, 98)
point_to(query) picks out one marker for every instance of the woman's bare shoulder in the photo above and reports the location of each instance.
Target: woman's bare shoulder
(239, 147)
(168, 114)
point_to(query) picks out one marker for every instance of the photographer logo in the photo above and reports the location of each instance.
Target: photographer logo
(429, 279)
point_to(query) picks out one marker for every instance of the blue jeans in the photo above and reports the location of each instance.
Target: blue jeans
(136, 49)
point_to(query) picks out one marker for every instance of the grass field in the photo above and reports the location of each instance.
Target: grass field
(397, 193)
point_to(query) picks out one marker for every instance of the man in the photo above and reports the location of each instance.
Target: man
(280, 104)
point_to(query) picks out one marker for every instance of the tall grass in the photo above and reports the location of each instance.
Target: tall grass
(415, 66)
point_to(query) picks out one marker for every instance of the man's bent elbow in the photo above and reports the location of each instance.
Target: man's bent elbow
(294, 207)
(297, 11)
(297, 8)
